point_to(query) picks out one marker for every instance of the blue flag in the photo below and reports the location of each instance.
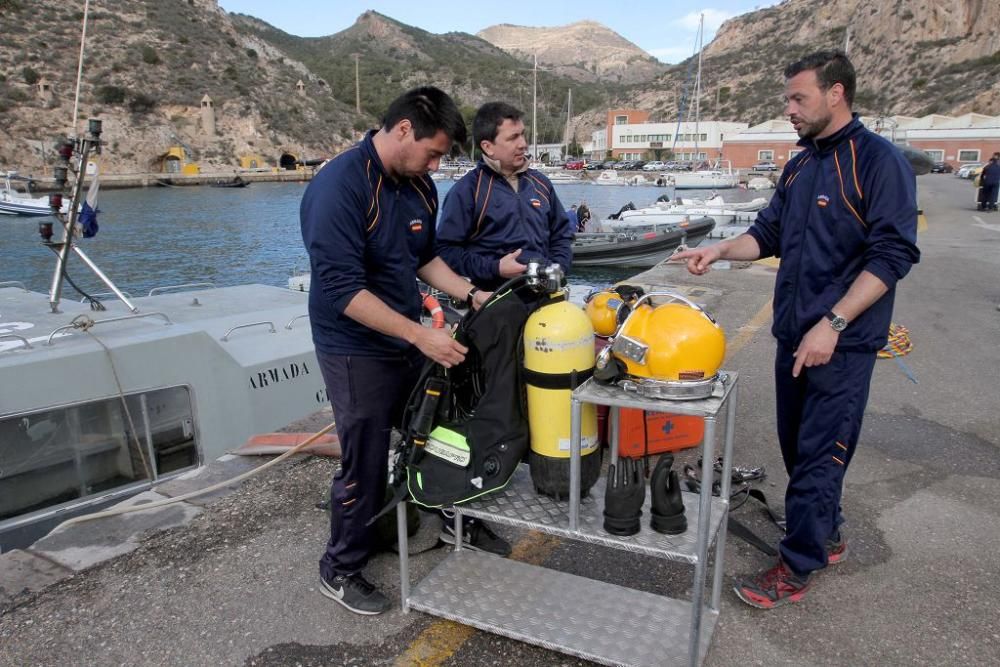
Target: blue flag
(88, 211)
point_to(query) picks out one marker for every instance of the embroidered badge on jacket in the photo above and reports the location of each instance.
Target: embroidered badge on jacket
(822, 201)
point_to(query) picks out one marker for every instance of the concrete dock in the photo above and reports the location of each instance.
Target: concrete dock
(234, 580)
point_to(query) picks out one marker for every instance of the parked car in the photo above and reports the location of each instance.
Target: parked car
(965, 171)
(595, 166)
(765, 165)
(574, 164)
(941, 168)
(655, 165)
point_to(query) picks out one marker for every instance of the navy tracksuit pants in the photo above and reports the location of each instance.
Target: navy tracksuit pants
(819, 419)
(368, 395)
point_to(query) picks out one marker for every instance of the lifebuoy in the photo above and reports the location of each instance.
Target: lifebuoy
(433, 308)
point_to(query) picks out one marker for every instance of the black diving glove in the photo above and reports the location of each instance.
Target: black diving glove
(667, 511)
(623, 498)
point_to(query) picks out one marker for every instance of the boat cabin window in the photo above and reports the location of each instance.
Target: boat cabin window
(65, 454)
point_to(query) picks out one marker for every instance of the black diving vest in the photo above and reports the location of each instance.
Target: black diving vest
(466, 427)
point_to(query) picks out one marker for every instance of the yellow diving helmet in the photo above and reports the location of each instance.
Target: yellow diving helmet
(673, 350)
(607, 309)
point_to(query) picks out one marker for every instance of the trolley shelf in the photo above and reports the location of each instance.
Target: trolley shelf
(560, 611)
(519, 505)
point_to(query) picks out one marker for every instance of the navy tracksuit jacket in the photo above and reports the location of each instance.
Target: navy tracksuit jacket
(845, 204)
(483, 219)
(363, 230)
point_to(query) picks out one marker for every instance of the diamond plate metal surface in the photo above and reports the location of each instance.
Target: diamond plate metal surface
(593, 392)
(561, 612)
(519, 505)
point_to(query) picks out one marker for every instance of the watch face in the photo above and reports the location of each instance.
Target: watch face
(838, 323)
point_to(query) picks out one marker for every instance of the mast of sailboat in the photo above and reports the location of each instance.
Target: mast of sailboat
(697, 84)
(83, 146)
(534, 111)
(569, 115)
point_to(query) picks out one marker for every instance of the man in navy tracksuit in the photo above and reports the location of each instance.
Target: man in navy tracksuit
(368, 225)
(502, 214)
(843, 220)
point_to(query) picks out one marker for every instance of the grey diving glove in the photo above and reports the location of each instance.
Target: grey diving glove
(623, 498)
(667, 511)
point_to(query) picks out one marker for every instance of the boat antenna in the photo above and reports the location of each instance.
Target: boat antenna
(79, 66)
(697, 85)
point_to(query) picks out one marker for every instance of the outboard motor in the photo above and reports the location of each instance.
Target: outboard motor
(627, 207)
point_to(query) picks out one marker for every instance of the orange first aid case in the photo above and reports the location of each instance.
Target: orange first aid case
(665, 432)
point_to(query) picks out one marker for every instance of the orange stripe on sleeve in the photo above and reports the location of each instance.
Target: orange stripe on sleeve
(840, 180)
(842, 446)
(378, 190)
(479, 180)
(854, 168)
(540, 193)
(368, 173)
(429, 209)
(837, 460)
(482, 214)
(539, 183)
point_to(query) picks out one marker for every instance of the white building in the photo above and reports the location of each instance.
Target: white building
(647, 141)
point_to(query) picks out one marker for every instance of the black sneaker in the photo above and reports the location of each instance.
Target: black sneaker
(476, 536)
(356, 593)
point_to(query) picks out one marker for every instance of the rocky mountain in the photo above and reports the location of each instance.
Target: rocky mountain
(147, 66)
(392, 57)
(913, 57)
(150, 62)
(585, 51)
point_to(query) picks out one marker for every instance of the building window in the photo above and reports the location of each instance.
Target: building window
(793, 152)
(621, 120)
(704, 137)
(935, 154)
(765, 156)
(968, 155)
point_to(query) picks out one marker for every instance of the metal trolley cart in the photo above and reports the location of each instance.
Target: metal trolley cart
(554, 609)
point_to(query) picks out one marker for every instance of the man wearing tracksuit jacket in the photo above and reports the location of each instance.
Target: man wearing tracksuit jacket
(368, 224)
(502, 214)
(843, 221)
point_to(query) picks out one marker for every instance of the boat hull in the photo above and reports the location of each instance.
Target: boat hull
(637, 250)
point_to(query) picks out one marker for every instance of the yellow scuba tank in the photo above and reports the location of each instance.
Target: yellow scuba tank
(559, 356)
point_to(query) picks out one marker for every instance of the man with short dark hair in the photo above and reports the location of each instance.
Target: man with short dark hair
(368, 224)
(843, 219)
(501, 214)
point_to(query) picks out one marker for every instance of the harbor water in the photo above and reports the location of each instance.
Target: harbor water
(153, 237)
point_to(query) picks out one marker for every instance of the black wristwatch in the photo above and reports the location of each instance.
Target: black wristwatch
(469, 298)
(836, 321)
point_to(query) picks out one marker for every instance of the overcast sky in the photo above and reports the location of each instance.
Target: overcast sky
(665, 29)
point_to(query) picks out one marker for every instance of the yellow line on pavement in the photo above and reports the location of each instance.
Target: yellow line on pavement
(746, 332)
(441, 639)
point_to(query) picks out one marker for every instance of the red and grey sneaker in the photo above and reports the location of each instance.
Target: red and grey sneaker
(836, 550)
(772, 588)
